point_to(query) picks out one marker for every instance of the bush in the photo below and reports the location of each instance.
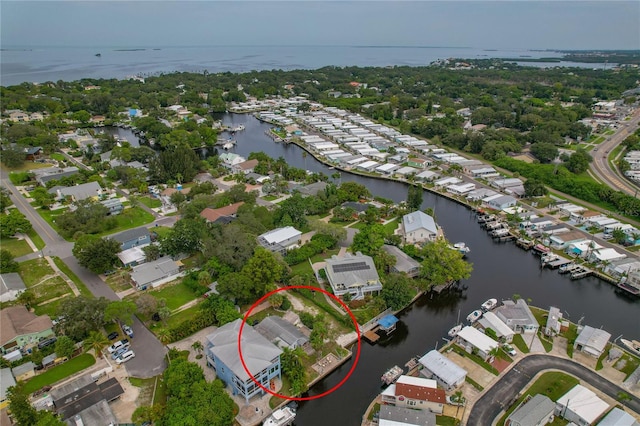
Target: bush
(286, 304)
(307, 319)
(318, 244)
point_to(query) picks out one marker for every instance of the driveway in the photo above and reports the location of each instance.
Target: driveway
(506, 390)
(150, 353)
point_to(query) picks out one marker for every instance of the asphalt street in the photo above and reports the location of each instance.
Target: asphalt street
(505, 391)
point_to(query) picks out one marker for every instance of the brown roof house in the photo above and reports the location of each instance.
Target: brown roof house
(20, 328)
(417, 393)
(222, 215)
(245, 167)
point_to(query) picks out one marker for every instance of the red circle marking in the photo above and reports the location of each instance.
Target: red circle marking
(308, 398)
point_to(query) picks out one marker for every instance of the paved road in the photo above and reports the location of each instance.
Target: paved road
(149, 360)
(600, 165)
(506, 390)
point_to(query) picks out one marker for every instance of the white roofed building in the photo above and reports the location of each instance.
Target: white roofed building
(280, 240)
(417, 228)
(581, 406)
(447, 373)
(502, 330)
(592, 341)
(473, 340)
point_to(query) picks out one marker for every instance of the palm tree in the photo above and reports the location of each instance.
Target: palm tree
(164, 335)
(197, 346)
(179, 177)
(96, 341)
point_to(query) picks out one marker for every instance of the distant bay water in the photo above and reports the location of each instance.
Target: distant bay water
(20, 64)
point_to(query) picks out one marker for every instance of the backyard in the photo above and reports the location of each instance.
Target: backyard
(42, 280)
(15, 246)
(59, 372)
(175, 294)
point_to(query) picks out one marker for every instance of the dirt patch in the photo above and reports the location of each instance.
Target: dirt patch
(500, 364)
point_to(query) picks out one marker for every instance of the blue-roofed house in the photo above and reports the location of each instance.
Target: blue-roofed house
(418, 228)
(261, 357)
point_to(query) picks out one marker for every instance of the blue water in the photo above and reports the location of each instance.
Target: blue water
(40, 64)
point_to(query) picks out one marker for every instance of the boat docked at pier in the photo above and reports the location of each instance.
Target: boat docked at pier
(489, 305)
(281, 417)
(461, 248)
(454, 331)
(391, 375)
(631, 345)
(474, 316)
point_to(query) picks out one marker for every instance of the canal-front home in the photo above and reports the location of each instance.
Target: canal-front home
(475, 341)
(518, 316)
(415, 392)
(418, 228)
(491, 321)
(592, 341)
(355, 274)
(445, 372)
(261, 357)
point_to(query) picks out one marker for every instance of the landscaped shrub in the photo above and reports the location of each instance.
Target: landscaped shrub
(318, 244)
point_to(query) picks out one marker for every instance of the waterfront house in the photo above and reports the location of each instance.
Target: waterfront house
(156, 273)
(245, 167)
(387, 169)
(491, 321)
(474, 341)
(580, 406)
(534, 411)
(605, 255)
(222, 215)
(555, 324)
(281, 239)
(261, 357)
(419, 163)
(405, 172)
(404, 263)
(518, 316)
(229, 159)
(418, 228)
(592, 341)
(83, 191)
(563, 240)
(355, 274)
(446, 181)
(461, 189)
(6, 381)
(445, 372)
(136, 237)
(583, 248)
(21, 329)
(24, 371)
(281, 332)
(11, 285)
(618, 417)
(312, 189)
(416, 393)
(500, 202)
(427, 176)
(390, 415)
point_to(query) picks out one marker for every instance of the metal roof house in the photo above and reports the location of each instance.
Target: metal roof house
(517, 316)
(554, 322)
(11, 285)
(261, 357)
(391, 415)
(447, 373)
(404, 263)
(618, 417)
(502, 330)
(537, 411)
(581, 406)
(592, 341)
(83, 401)
(156, 273)
(473, 340)
(281, 332)
(280, 240)
(355, 274)
(418, 227)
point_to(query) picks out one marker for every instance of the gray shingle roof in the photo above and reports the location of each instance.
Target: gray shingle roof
(407, 416)
(281, 332)
(82, 191)
(130, 234)
(11, 281)
(418, 220)
(404, 262)
(533, 411)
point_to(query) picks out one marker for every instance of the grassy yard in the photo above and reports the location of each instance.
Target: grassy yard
(475, 358)
(599, 365)
(15, 246)
(518, 341)
(130, 218)
(540, 314)
(57, 156)
(627, 364)
(571, 334)
(162, 231)
(119, 281)
(50, 308)
(150, 202)
(73, 277)
(149, 387)
(473, 383)
(548, 344)
(178, 317)
(36, 239)
(446, 421)
(270, 197)
(553, 384)
(175, 295)
(263, 314)
(59, 372)
(41, 279)
(26, 166)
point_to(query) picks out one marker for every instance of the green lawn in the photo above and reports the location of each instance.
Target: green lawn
(15, 246)
(36, 239)
(627, 364)
(520, 344)
(553, 384)
(446, 421)
(149, 201)
(270, 197)
(178, 317)
(548, 344)
(73, 277)
(51, 308)
(571, 334)
(599, 365)
(57, 156)
(32, 271)
(162, 231)
(59, 372)
(175, 295)
(130, 218)
(473, 383)
(540, 314)
(27, 165)
(119, 281)
(475, 358)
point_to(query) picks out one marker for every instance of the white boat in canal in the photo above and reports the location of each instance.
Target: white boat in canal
(455, 330)
(462, 248)
(489, 304)
(281, 417)
(474, 316)
(632, 345)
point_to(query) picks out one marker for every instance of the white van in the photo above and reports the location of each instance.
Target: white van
(118, 345)
(125, 357)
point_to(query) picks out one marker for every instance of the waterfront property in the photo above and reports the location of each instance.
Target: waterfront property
(355, 274)
(261, 357)
(136, 237)
(555, 325)
(11, 285)
(390, 415)
(592, 341)
(281, 239)
(415, 392)
(417, 228)
(445, 372)
(491, 321)
(535, 411)
(281, 332)
(404, 263)
(474, 341)
(518, 316)
(21, 329)
(156, 273)
(581, 406)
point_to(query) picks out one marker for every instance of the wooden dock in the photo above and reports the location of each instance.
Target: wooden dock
(371, 336)
(524, 243)
(554, 264)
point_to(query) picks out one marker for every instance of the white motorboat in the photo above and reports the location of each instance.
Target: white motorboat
(462, 248)
(474, 316)
(489, 304)
(632, 345)
(281, 417)
(455, 330)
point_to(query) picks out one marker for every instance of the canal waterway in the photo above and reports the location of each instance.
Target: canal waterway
(500, 270)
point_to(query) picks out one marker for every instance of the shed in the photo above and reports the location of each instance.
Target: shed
(388, 323)
(24, 371)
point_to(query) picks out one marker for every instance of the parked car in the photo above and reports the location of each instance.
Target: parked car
(117, 345)
(125, 357)
(113, 335)
(509, 349)
(127, 330)
(119, 352)
(47, 342)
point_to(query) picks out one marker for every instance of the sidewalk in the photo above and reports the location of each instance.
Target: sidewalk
(70, 283)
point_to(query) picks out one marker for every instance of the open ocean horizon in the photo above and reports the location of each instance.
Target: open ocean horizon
(39, 64)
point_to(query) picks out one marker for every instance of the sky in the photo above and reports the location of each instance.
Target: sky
(481, 24)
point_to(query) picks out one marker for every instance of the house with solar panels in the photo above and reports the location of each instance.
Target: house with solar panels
(353, 273)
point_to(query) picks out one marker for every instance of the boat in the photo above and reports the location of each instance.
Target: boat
(455, 330)
(281, 417)
(238, 128)
(391, 375)
(474, 316)
(462, 248)
(228, 145)
(632, 345)
(98, 54)
(489, 304)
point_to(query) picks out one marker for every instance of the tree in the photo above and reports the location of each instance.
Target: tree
(414, 198)
(164, 335)
(186, 236)
(96, 342)
(7, 264)
(442, 265)
(397, 291)
(27, 298)
(293, 369)
(352, 191)
(579, 161)
(151, 252)
(24, 413)
(13, 157)
(42, 197)
(5, 199)
(545, 152)
(64, 347)
(121, 311)
(368, 240)
(82, 315)
(197, 346)
(177, 199)
(534, 188)
(13, 222)
(96, 254)
(319, 332)
(146, 304)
